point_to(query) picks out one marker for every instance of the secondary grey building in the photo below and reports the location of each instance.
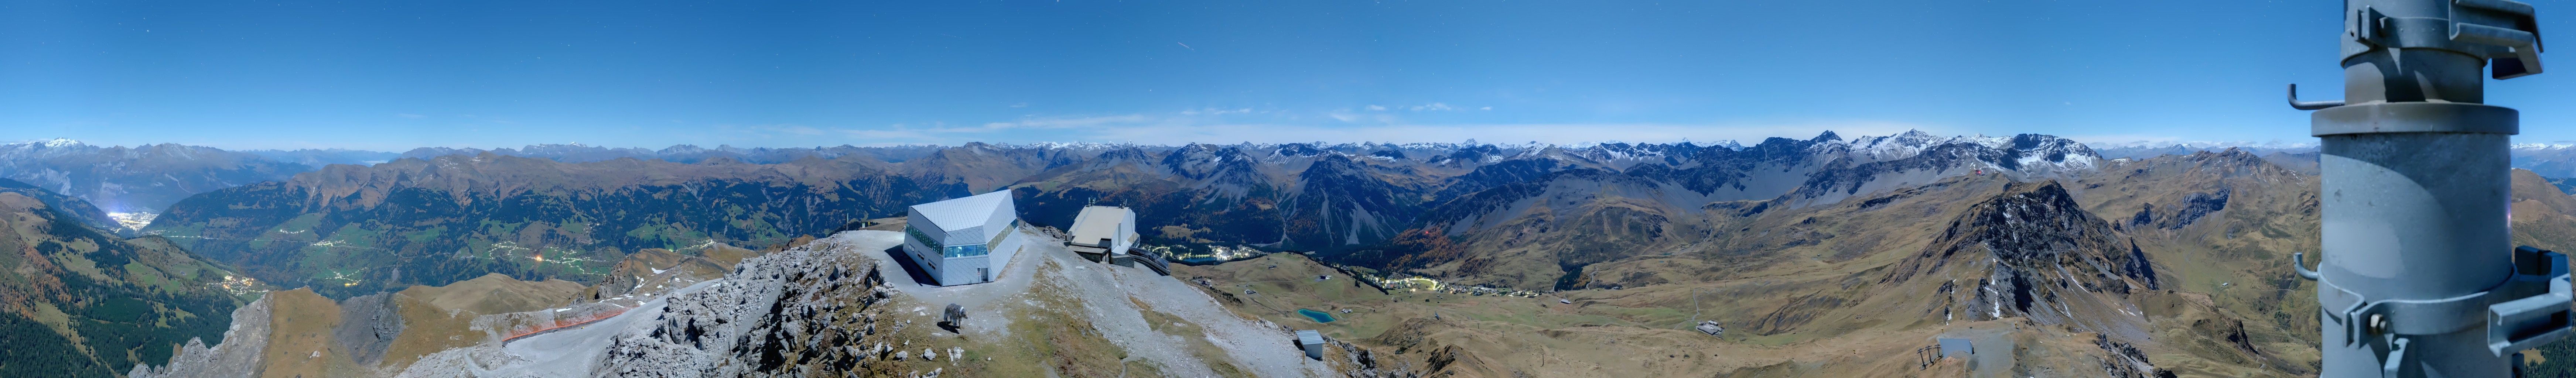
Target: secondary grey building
(965, 240)
(1103, 233)
(1951, 347)
(1312, 342)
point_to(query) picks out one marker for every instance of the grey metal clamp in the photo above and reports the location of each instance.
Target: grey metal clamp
(2524, 311)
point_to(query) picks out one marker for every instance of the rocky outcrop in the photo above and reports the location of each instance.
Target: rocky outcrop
(2126, 361)
(790, 314)
(368, 324)
(2033, 252)
(237, 357)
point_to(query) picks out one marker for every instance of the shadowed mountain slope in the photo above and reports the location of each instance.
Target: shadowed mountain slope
(78, 301)
(75, 208)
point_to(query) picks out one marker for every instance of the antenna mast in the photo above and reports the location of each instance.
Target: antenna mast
(2419, 277)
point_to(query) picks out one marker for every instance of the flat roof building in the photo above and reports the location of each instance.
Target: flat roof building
(965, 240)
(1312, 342)
(1710, 327)
(1103, 232)
(1951, 347)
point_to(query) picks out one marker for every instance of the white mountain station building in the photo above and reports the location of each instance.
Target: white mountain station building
(965, 240)
(1103, 233)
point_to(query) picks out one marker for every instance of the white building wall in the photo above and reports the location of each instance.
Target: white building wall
(969, 236)
(962, 270)
(1126, 237)
(914, 218)
(1003, 251)
(1002, 216)
(921, 255)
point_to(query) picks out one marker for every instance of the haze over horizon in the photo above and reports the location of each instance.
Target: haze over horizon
(394, 76)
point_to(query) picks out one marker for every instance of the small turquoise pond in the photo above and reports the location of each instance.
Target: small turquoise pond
(1319, 316)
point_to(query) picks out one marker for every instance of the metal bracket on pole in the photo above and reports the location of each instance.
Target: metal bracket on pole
(2396, 357)
(2510, 25)
(2299, 262)
(2537, 318)
(2530, 309)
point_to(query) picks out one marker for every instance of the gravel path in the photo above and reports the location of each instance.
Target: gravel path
(569, 352)
(1258, 346)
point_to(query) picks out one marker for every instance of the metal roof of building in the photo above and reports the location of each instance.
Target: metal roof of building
(1309, 337)
(1956, 347)
(1098, 222)
(963, 213)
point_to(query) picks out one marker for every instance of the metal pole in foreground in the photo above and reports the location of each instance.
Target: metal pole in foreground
(2420, 278)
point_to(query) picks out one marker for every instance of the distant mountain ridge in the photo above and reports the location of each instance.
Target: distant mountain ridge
(566, 211)
(135, 179)
(149, 178)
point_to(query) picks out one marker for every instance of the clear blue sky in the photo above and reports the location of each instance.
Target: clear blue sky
(396, 75)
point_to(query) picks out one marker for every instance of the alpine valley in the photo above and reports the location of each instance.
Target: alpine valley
(1818, 256)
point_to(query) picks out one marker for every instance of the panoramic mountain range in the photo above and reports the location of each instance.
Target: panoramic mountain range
(147, 179)
(2125, 265)
(349, 230)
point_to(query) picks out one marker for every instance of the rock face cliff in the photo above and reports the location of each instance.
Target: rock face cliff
(790, 314)
(2032, 251)
(237, 356)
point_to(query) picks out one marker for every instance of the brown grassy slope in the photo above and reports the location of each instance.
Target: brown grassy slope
(428, 328)
(1568, 219)
(299, 341)
(636, 272)
(1493, 336)
(1803, 280)
(2543, 216)
(2223, 225)
(496, 293)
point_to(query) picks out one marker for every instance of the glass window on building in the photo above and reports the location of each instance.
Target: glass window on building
(924, 238)
(964, 250)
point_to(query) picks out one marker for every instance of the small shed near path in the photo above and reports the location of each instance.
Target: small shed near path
(1956, 348)
(1312, 342)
